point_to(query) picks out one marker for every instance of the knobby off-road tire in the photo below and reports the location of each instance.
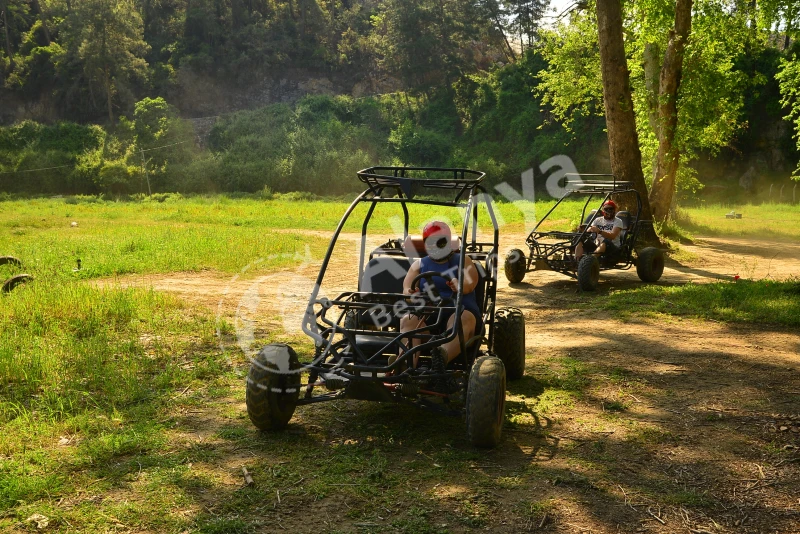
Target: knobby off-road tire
(10, 260)
(14, 281)
(486, 401)
(273, 387)
(509, 341)
(515, 266)
(588, 272)
(650, 264)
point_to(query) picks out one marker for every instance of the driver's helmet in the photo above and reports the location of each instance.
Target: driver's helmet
(437, 238)
(609, 209)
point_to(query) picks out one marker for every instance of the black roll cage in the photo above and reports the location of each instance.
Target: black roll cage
(399, 185)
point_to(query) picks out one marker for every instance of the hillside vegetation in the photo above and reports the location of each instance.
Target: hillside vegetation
(105, 87)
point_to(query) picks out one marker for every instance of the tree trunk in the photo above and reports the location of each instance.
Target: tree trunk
(42, 17)
(652, 67)
(4, 9)
(623, 142)
(666, 169)
(108, 94)
(505, 38)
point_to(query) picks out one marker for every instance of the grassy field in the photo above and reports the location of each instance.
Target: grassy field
(769, 221)
(119, 412)
(743, 301)
(197, 233)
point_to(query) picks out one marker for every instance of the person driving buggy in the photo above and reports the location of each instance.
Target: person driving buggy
(607, 229)
(443, 259)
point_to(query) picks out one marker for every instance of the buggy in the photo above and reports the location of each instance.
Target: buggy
(360, 351)
(555, 250)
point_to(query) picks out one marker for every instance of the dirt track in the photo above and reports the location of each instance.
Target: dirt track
(679, 432)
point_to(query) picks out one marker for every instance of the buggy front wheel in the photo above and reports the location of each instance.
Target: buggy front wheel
(589, 272)
(273, 387)
(515, 266)
(650, 264)
(486, 401)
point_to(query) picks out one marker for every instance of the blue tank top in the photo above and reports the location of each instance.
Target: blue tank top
(427, 265)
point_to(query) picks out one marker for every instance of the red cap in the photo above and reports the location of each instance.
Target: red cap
(435, 227)
(610, 203)
(436, 236)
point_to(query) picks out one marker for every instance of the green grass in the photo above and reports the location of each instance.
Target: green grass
(768, 221)
(84, 395)
(198, 233)
(119, 411)
(746, 301)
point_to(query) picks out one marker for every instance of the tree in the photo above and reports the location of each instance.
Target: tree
(7, 40)
(708, 100)
(789, 79)
(497, 15)
(109, 44)
(426, 43)
(666, 169)
(623, 140)
(523, 18)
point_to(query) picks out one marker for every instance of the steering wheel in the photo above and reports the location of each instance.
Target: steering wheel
(429, 277)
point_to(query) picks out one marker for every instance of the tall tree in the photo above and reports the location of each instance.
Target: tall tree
(623, 140)
(666, 168)
(523, 18)
(7, 40)
(426, 43)
(110, 44)
(708, 100)
(496, 13)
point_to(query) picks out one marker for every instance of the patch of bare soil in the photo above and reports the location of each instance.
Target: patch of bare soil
(675, 425)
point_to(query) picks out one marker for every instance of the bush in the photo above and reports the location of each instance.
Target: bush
(415, 145)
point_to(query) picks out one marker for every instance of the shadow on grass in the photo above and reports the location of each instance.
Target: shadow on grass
(666, 456)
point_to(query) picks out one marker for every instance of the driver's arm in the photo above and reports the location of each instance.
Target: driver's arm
(602, 233)
(413, 271)
(612, 234)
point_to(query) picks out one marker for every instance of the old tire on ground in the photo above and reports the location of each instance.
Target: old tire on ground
(508, 342)
(273, 387)
(515, 265)
(10, 260)
(486, 401)
(650, 264)
(14, 281)
(588, 272)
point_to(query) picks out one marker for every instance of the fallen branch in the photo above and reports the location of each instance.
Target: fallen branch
(247, 478)
(654, 516)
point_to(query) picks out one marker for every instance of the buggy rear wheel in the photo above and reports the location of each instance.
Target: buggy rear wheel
(588, 272)
(486, 401)
(515, 265)
(273, 387)
(650, 264)
(508, 341)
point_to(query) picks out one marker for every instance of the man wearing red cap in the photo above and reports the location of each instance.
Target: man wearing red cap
(441, 257)
(607, 229)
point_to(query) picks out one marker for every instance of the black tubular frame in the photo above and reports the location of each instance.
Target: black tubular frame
(558, 256)
(337, 353)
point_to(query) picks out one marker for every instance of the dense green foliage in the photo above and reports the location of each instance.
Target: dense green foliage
(493, 122)
(474, 83)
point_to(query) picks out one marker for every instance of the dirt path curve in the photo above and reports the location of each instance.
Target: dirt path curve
(677, 412)
(709, 259)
